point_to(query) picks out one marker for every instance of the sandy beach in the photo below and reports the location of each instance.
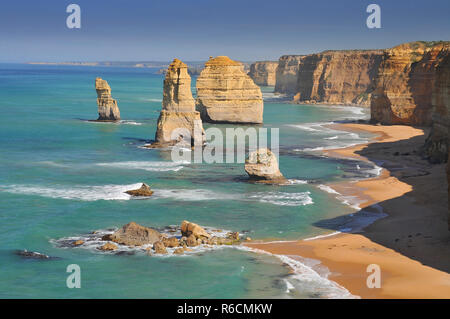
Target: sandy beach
(411, 243)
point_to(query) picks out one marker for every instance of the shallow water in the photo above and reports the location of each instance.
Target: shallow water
(63, 176)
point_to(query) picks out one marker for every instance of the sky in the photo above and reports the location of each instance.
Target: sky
(193, 30)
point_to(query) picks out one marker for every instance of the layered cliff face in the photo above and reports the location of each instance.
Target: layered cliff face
(225, 93)
(263, 72)
(178, 110)
(286, 74)
(436, 146)
(107, 106)
(338, 77)
(404, 86)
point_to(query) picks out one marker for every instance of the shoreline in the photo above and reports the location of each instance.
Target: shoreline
(347, 255)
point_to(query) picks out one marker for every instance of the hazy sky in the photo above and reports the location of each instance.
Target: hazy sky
(154, 30)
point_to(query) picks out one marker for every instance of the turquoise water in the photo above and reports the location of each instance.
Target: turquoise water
(62, 176)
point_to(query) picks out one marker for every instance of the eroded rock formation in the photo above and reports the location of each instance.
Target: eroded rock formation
(226, 94)
(262, 166)
(133, 234)
(188, 229)
(337, 77)
(107, 106)
(264, 72)
(286, 75)
(436, 146)
(133, 238)
(178, 121)
(144, 190)
(404, 86)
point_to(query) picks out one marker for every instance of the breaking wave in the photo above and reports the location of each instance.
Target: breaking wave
(147, 165)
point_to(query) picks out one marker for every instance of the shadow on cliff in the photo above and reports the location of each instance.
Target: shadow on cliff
(416, 222)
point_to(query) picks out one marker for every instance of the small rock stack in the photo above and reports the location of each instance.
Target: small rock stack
(107, 106)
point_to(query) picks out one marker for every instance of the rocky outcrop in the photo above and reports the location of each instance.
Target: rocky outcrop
(144, 190)
(226, 94)
(108, 247)
(436, 145)
(263, 72)
(262, 166)
(337, 77)
(133, 234)
(188, 229)
(159, 248)
(286, 75)
(133, 238)
(107, 106)
(178, 121)
(404, 86)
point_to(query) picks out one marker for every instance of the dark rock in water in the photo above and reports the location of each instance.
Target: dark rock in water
(32, 255)
(124, 253)
(107, 237)
(133, 234)
(143, 191)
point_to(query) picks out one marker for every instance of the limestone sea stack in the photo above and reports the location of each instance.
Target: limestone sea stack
(262, 166)
(286, 75)
(404, 86)
(226, 94)
(107, 106)
(178, 114)
(263, 72)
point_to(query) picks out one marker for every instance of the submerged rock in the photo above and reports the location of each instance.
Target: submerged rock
(78, 242)
(262, 166)
(143, 191)
(107, 106)
(226, 94)
(32, 254)
(178, 122)
(133, 234)
(188, 229)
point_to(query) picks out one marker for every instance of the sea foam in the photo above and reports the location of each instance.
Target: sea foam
(146, 165)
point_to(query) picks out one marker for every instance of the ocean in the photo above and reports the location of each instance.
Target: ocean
(62, 176)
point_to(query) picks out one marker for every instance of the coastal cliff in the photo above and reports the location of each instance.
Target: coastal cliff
(436, 146)
(286, 75)
(337, 77)
(264, 72)
(404, 86)
(178, 109)
(107, 106)
(225, 93)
